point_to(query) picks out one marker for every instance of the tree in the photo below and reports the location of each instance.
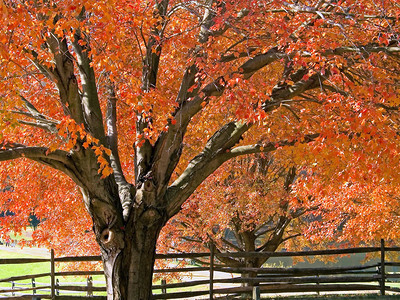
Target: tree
(246, 206)
(138, 102)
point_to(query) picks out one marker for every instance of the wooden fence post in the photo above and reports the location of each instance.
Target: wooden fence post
(212, 272)
(163, 289)
(256, 293)
(89, 283)
(33, 286)
(12, 287)
(52, 275)
(383, 276)
(57, 286)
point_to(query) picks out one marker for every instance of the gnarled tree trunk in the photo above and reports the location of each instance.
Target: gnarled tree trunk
(128, 245)
(130, 273)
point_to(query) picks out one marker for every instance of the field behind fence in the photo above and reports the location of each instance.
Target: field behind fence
(379, 276)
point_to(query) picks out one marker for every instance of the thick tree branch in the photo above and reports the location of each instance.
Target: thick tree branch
(290, 179)
(90, 100)
(365, 49)
(264, 231)
(188, 82)
(225, 260)
(47, 72)
(259, 61)
(275, 239)
(227, 242)
(168, 147)
(112, 131)
(229, 261)
(9, 151)
(236, 231)
(63, 73)
(284, 91)
(291, 237)
(188, 239)
(233, 56)
(143, 149)
(388, 107)
(271, 146)
(208, 21)
(57, 159)
(125, 189)
(151, 61)
(205, 163)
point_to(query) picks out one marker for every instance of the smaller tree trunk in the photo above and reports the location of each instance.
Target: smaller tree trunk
(249, 263)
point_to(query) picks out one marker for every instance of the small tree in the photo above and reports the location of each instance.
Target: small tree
(245, 206)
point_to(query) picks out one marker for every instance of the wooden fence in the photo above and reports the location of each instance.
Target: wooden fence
(373, 277)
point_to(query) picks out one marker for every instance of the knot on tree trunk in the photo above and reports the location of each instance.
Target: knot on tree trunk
(112, 240)
(107, 236)
(108, 226)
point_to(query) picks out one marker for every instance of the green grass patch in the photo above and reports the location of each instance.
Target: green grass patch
(12, 270)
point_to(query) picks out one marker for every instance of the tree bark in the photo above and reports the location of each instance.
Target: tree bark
(129, 271)
(138, 261)
(128, 245)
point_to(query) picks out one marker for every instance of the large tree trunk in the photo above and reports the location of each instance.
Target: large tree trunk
(129, 273)
(128, 245)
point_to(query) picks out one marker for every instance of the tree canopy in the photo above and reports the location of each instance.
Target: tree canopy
(138, 102)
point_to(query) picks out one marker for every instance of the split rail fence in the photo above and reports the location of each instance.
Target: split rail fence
(377, 277)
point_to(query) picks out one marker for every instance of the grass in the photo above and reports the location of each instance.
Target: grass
(12, 270)
(22, 269)
(336, 297)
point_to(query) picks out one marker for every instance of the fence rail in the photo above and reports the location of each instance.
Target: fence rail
(367, 277)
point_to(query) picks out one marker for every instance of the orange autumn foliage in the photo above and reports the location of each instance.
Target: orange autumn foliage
(247, 205)
(138, 102)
